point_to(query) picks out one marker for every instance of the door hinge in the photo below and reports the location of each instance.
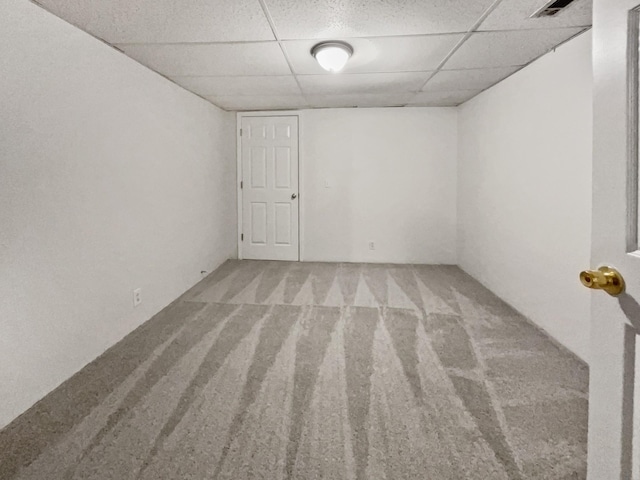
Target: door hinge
(241, 184)
(240, 132)
(242, 237)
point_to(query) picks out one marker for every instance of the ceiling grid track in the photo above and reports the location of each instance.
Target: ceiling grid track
(35, 2)
(473, 29)
(272, 24)
(249, 55)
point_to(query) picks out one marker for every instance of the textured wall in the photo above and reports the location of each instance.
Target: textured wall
(111, 178)
(524, 202)
(392, 180)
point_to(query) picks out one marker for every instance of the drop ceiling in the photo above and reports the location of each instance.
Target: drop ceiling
(254, 54)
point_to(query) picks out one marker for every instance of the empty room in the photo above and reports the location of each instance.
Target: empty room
(319, 239)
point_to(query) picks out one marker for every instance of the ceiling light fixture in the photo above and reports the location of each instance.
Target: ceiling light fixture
(332, 56)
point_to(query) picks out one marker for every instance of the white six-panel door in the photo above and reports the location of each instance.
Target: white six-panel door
(615, 322)
(269, 150)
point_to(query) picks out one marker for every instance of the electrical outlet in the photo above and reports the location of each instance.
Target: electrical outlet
(372, 246)
(137, 297)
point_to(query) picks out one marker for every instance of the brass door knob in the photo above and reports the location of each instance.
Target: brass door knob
(605, 278)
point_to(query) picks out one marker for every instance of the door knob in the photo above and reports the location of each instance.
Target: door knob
(293, 196)
(605, 278)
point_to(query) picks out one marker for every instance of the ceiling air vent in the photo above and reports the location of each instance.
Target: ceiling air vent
(552, 8)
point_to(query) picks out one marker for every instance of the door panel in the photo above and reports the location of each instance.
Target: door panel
(270, 188)
(283, 223)
(258, 223)
(282, 131)
(258, 167)
(283, 167)
(615, 320)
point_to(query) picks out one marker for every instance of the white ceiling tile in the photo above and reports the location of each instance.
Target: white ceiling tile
(358, 100)
(166, 21)
(404, 42)
(474, 79)
(362, 83)
(502, 49)
(442, 99)
(515, 14)
(211, 59)
(223, 86)
(259, 102)
(302, 19)
(382, 54)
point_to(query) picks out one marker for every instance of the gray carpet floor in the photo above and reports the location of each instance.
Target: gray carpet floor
(275, 370)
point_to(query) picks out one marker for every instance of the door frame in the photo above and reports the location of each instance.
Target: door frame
(614, 327)
(301, 202)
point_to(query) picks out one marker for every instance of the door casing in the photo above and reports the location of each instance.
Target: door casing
(301, 189)
(614, 320)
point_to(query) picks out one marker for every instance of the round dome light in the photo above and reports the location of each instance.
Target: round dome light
(332, 56)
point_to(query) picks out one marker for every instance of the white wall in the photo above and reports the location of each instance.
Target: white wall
(111, 178)
(392, 180)
(524, 203)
